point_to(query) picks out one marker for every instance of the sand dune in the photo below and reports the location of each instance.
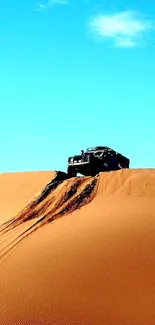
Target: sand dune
(95, 264)
(17, 189)
(132, 182)
(59, 197)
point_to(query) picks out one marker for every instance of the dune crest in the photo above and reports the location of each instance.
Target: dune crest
(17, 189)
(62, 196)
(59, 197)
(96, 265)
(132, 182)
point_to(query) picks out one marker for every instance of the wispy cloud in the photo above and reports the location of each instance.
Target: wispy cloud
(41, 7)
(124, 29)
(58, 2)
(51, 3)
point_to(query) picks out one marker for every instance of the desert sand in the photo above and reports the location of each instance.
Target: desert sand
(17, 189)
(77, 251)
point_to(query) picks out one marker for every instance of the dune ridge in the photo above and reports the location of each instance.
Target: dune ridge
(18, 188)
(61, 196)
(58, 198)
(132, 182)
(96, 265)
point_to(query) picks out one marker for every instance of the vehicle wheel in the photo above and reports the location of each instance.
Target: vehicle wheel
(93, 171)
(71, 172)
(74, 173)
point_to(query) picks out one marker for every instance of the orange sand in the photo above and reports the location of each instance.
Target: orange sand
(95, 265)
(17, 189)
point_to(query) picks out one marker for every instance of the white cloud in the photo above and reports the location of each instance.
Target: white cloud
(58, 2)
(125, 29)
(50, 3)
(41, 7)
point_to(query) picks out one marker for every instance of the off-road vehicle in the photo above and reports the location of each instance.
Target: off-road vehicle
(95, 160)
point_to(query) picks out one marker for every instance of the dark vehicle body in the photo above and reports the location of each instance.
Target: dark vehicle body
(95, 160)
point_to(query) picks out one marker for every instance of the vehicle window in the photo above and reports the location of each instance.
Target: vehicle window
(98, 153)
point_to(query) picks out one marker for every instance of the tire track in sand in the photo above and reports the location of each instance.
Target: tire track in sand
(59, 198)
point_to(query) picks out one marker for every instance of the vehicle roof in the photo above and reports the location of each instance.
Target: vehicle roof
(99, 148)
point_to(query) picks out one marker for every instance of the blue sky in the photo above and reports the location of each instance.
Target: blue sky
(75, 74)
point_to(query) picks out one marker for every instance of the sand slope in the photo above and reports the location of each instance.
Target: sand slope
(17, 189)
(132, 182)
(58, 198)
(93, 266)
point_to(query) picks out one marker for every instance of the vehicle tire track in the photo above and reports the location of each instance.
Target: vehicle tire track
(59, 198)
